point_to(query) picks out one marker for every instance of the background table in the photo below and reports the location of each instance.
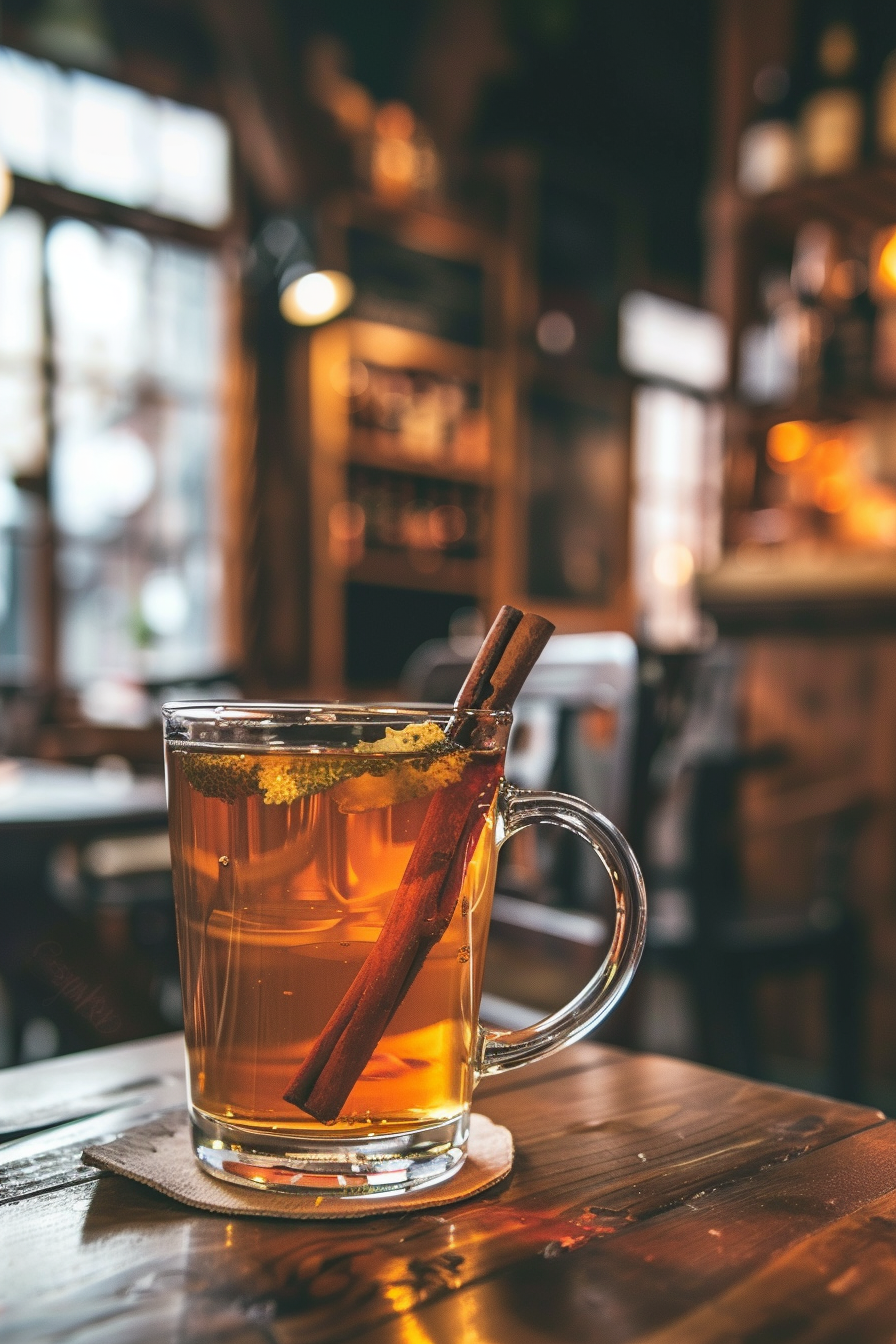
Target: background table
(650, 1200)
(50, 816)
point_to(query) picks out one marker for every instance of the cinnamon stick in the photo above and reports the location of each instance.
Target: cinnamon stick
(476, 688)
(427, 896)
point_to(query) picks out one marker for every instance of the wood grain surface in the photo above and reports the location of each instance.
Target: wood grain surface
(651, 1200)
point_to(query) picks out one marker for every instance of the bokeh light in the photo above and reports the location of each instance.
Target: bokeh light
(789, 441)
(316, 297)
(555, 332)
(673, 565)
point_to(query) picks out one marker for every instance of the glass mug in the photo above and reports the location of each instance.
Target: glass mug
(292, 834)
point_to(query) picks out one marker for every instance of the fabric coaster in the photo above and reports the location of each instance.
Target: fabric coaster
(160, 1154)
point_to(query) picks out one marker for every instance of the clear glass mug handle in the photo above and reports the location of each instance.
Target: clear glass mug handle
(497, 1051)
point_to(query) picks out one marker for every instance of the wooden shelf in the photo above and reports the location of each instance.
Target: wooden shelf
(377, 449)
(865, 198)
(390, 569)
(838, 408)
(476, 347)
(399, 348)
(772, 590)
(433, 228)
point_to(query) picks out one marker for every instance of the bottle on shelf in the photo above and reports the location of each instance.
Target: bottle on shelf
(767, 150)
(770, 351)
(847, 351)
(814, 259)
(886, 109)
(417, 516)
(830, 127)
(421, 417)
(882, 287)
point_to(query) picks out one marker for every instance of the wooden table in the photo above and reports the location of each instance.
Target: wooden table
(650, 1200)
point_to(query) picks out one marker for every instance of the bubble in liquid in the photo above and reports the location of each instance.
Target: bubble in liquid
(463, 954)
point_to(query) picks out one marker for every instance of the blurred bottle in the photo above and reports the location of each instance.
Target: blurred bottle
(831, 121)
(884, 365)
(846, 353)
(814, 258)
(767, 151)
(882, 273)
(886, 109)
(770, 352)
(382, 512)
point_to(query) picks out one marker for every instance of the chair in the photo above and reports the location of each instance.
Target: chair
(95, 956)
(579, 703)
(701, 926)
(573, 730)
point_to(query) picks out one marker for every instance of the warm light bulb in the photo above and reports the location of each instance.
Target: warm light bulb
(6, 187)
(789, 441)
(673, 565)
(316, 297)
(833, 493)
(886, 264)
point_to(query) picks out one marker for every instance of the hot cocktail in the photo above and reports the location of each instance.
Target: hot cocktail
(334, 869)
(287, 866)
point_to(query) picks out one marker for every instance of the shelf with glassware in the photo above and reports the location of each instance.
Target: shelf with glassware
(803, 266)
(577, 467)
(817, 377)
(413, 482)
(403, 476)
(822, 95)
(865, 196)
(808, 575)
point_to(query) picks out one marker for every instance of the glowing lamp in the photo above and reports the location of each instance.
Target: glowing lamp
(789, 441)
(884, 263)
(833, 493)
(313, 297)
(673, 565)
(6, 186)
(308, 295)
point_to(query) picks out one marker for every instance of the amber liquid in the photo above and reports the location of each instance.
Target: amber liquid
(278, 906)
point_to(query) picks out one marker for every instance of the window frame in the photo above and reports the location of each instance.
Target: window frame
(52, 203)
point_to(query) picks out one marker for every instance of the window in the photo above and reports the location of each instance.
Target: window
(135, 471)
(677, 516)
(112, 358)
(108, 140)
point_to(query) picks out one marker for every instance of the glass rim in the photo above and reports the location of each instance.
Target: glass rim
(258, 712)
